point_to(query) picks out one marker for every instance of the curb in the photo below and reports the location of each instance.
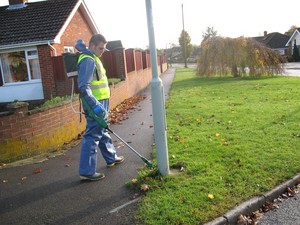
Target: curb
(253, 204)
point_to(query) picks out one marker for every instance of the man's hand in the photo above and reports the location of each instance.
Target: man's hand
(100, 111)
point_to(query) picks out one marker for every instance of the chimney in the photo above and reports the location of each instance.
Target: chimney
(265, 33)
(15, 2)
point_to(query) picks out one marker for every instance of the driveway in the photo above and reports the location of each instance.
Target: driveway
(292, 69)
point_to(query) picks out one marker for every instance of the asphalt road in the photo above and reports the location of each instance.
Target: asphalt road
(292, 69)
(288, 213)
(57, 196)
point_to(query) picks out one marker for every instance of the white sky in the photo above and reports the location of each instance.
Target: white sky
(126, 20)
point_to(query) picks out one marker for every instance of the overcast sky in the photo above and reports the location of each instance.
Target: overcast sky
(126, 20)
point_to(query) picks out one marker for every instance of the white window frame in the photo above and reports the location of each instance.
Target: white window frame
(28, 57)
(69, 49)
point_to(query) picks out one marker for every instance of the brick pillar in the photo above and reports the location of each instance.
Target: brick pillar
(120, 60)
(46, 66)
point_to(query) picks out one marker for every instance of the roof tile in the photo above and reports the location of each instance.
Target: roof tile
(39, 21)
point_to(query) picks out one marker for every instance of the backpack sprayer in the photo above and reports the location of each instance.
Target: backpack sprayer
(70, 62)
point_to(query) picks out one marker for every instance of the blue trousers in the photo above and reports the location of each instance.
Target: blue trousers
(95, 137)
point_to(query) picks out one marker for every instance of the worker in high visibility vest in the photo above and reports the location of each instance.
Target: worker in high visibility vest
(94, 88)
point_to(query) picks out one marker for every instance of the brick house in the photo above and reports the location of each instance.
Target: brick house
(31, 35)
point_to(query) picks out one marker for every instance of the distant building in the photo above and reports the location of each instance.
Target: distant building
(275, 41)
(174, 55)
(194, 56)
(295, 38)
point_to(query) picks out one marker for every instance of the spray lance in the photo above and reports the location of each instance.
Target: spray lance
(102, 123)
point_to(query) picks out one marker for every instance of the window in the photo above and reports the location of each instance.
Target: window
(68, 49)
(20, 66)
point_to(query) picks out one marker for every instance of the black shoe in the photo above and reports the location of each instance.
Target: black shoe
(118, 160)
(94, 177)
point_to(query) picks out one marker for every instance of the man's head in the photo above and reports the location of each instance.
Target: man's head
(98, 44)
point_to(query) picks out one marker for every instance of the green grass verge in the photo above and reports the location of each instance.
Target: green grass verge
(114, 81)
(54, 101)
(237, 138)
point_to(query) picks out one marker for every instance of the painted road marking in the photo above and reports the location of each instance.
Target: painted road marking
(124, 205)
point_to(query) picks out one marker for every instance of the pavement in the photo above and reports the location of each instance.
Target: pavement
(50, 192)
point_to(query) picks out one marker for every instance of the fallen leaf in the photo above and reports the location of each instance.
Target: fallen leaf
(181, 199)
(211, 196)
(147, 178)
(181, 140)
(134, 180)
(37, 170)
(135, 195)
(242, 220)
(145, 187)
(217, 134)
(284, 196)
(291, 192)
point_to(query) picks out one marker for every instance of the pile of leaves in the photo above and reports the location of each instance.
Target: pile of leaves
(120, 112)
(254, 217)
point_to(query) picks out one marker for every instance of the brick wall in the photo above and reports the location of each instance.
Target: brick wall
(134, 83)
(23, 135)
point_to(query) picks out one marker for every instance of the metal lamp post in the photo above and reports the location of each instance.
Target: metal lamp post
(158, 101)
(184, 39)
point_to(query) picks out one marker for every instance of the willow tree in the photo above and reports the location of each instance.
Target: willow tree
(239, 57)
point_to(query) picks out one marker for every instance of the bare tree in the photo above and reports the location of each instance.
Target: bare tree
(239, 57)
(210, 32)
(291, 30)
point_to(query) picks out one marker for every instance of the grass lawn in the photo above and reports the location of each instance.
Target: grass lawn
(236, 137)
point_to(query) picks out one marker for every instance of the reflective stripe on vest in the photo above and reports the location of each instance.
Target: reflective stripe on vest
(100, 88)
(93, 87)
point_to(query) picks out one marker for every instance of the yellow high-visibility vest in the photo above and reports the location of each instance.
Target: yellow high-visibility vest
(100, 88)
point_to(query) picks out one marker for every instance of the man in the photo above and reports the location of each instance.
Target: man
(93, 87)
